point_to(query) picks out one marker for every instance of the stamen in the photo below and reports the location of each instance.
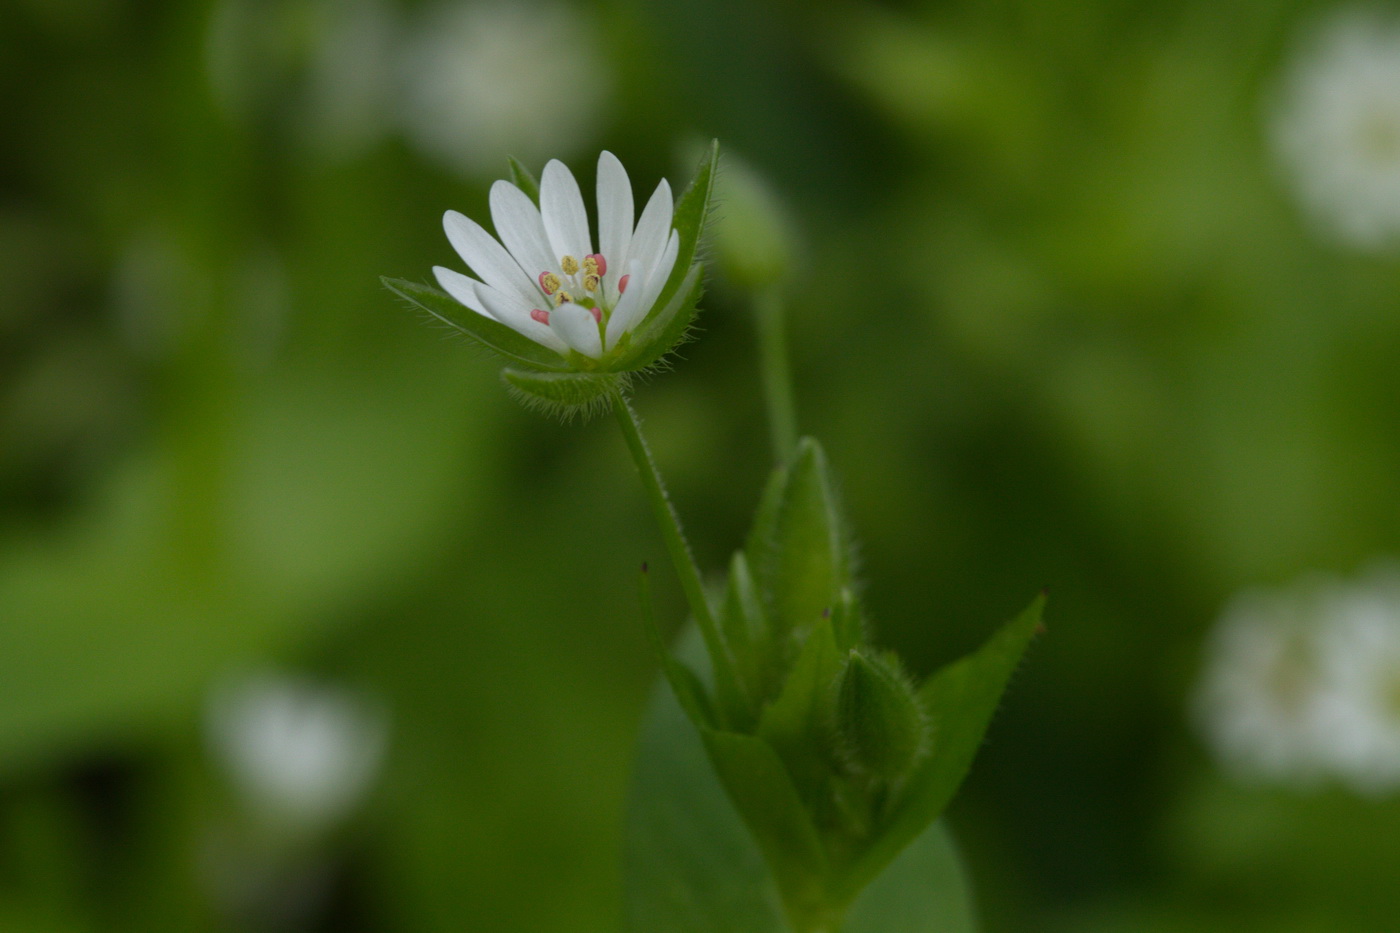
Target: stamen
(597, 314)
(541, 316)
(562, 297)
(549, 282)
(569, 264)
(590, 265)
(591, 282)
(622, 284)
(600, 264)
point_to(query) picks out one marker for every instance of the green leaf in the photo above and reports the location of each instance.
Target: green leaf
(960, 700)
(799, 550)
(797, 723)
(493, 335)
(664, 330)
(762, 791)
(692, 866)
(564, 394)
(692, 210)
(524, 179)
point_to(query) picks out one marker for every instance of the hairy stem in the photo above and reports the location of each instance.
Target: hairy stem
(681, 557)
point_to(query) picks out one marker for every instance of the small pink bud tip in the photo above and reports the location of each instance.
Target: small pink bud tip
(622, 284)
(602, 263)
(541, 316)
(597, 314)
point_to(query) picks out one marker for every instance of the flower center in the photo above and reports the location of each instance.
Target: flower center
(580, 282)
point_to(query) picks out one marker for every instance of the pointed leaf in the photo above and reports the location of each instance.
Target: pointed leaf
(692, 866)
(760, 789)
(692, 210)
(960, 700)
(564, 394)
(797, 724)
(805, 565)
(493, 335)
(522, 178)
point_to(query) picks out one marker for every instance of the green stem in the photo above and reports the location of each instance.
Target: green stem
(677, 545)
(777, 375)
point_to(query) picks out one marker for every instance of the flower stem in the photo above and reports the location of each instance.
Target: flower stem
(679, 548)
(777, 375)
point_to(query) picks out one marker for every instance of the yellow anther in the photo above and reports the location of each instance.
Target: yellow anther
(569, 264)
(591, 281)
(590, 266)
(549, 282)
(562, 297)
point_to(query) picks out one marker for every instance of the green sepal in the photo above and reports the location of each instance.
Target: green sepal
(692, 210)
(493, 335)
(959, 700)
(565, 394)
(664, 330)
(523, 179)
(881, 728)
(799, 721)
(759, 787)
(799, 550)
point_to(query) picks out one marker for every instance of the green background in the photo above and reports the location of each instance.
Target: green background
(1055, 316)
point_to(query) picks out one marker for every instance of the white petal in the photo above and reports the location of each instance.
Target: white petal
(647, 288)
(653, 229)
(660, 272)
(514, 313)
(629, 307)
(615, 210)
(518, 223)
(577, 326)
(561, 209)
(462, 287)
(486, 257)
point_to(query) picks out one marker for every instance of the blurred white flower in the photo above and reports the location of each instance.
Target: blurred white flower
(546, 281)
(482, 80)
(1303, 684)
(301, 755)
(1336, 127)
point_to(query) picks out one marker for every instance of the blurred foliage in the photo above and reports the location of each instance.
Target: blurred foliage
(1058, 321)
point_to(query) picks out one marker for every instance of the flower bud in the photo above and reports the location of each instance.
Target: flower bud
(881, 729)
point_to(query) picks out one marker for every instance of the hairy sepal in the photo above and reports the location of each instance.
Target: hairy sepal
(667, 328)
(506, 343)
(565, 395)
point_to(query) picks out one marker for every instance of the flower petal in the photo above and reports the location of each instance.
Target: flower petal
(462, 287)
(653, 230)
(514, 313)
(660, 271)
(629, 307)
(561, 209)
(486, 257)
(518, 223)
(616, 212)
(578, 328)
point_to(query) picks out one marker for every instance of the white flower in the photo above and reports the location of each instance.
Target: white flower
(547, 282)
(1337, 128)
(1304, 683)
(301, 754)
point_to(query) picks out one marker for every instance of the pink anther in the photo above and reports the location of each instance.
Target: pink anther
(602, 263)
(622, 284)
(541, 316)
(544, 283)
(597, 314)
